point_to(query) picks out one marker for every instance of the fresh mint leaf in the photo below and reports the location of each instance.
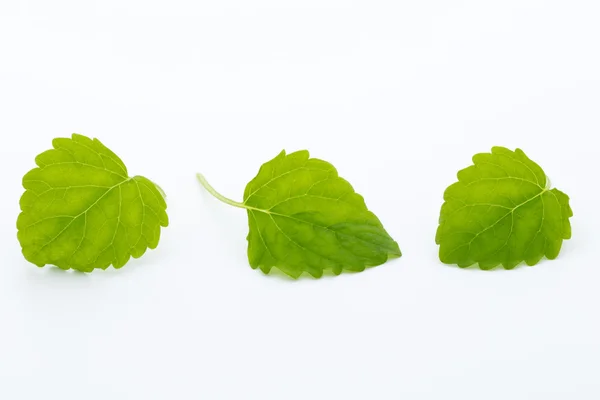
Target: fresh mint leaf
(81, 210)
(502, 211)
(304, 218)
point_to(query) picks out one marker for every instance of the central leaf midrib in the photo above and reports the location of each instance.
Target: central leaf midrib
(512, 210)
(270, 213)
(84, 212)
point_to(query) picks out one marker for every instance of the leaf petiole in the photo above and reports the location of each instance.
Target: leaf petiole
(218, 195)
(160, 190)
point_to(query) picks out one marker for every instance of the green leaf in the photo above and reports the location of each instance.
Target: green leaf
(304, 218)
(80, 209)
(502, 211)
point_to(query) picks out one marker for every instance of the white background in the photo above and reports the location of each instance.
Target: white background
(398, 95)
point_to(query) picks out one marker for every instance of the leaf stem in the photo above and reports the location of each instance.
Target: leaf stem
(218, 195)
(548, 183)
(162, 192)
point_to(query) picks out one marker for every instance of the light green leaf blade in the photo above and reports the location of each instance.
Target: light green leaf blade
(502, 211)
(81, 210)
(304, 218)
